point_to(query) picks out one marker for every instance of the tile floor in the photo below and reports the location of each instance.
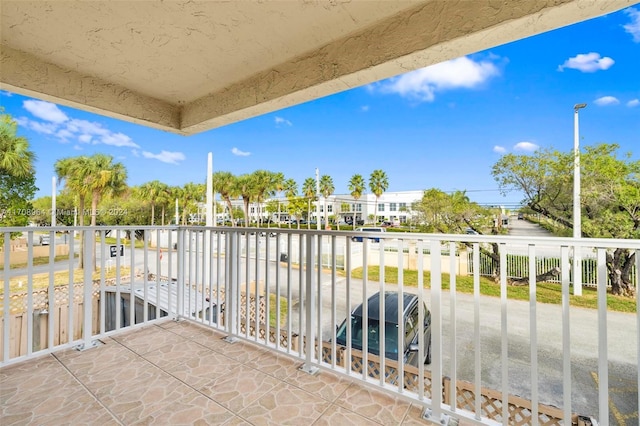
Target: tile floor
(179, 373)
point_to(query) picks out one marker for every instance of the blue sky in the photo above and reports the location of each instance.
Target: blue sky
(443, 126)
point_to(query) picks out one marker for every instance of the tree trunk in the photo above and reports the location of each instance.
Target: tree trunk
(551, 273)
(619, 264)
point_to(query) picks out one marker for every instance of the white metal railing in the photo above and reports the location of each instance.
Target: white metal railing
(266, 287)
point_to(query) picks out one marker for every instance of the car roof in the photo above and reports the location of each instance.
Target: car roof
(390, 306)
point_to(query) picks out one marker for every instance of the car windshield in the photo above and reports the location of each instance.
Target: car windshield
(372, 335)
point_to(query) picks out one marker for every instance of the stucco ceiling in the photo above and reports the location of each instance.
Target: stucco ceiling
(188, 66)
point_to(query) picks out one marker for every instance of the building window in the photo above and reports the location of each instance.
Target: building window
(359, 207)
(392, 207)
(321, 208)
(381, 207)
(329, 208)
(403, 219)
(403, 206)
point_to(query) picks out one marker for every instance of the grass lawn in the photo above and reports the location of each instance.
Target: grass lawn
(545, 292)
(60, 278)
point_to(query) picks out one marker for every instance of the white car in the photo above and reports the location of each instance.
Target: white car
(369, 229)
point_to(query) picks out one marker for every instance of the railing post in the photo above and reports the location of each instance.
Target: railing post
(231, 310)
(87, 300)
(180, 274)
(309, 304)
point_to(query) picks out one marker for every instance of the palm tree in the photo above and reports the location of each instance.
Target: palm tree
(326, 189)
(190, 194)
(164, 198)
(246, 187)
(74, 171)
(357, 185)
(279, 181)
(309, 192)
(225, 184)
(15, 157)
(290, 189)
(105, 178)
(264, 185)
(151, 191)
(378, 183)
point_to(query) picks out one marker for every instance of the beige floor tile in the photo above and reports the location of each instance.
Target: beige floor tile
(338, 416)
(202, 368)
(192, 409)
(285, 405)
(147, 339)
(325, 384)
(109, 353)
(237, 421)
(240, 387)
(277, 365)
(374, 405)
(240, 351)
(142, 401)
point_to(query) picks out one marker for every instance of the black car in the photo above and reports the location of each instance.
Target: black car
(409, 345)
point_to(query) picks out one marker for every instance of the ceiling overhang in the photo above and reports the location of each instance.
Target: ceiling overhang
(187, 67)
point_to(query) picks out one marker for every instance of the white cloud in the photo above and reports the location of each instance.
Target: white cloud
(236, 151)
(606, 100)
(525, 146)
(165, 156)
(64, 135)
(587, 62)
(499, 149)
(280, 120)
(633, 27)
(44, 128)
(87, 127)
(423, 84)
(84, 138)
(633, 103)
(118, 139)
(5, 93)
(45, 110)
(364, 108)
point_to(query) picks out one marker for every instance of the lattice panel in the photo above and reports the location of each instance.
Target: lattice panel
(491, 406)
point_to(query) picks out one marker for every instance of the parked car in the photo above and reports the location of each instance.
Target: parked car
(372, 229)
(520, 216)
(470, 231)
(44, 240)
(408, 346)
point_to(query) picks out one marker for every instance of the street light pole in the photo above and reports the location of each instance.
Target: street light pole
(577, 212)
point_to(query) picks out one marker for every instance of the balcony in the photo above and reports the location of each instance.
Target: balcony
(230, 325)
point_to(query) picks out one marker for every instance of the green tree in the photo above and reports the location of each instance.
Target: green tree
(265, 184)
(309, 192)
(17, 176)
(295, 207)
(190, 195)
(326, 189)
(246, 186)
(357, 186)
(225, 184)
(290, 191)
(151, 191)
(378, 183)
(610, 201)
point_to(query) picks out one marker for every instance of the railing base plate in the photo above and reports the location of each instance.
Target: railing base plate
(311, 370)
(93, 344)
(445, 419)
(230, 339)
